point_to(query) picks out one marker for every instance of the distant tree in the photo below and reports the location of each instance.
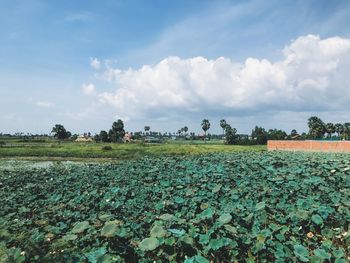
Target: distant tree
(185, 129)
(293, 132)
(104, 136)
(182, 131)
(147, 128)
(2, 144)
(205, 126)
(97, 138)
(117, 132)
(223, 126)
(339, 129)
(347, 130)
(259, 135)
(231, 136)
(274, 134)
(60, 132)
(330, 129)
(317, 128)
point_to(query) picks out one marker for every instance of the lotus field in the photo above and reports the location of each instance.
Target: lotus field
(232, 207)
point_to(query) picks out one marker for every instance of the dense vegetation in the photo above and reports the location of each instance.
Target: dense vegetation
(264, 207)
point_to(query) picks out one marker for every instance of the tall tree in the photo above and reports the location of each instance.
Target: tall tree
(339, 129)
(185, 129)
(330, 129)
(231, 136)
(223, 126)
(117, 132)
(259, 135)
(347, 130)
(205, 126)
(104, 136)
(274, 134)
(60, 132)
(147, 128)
(317, 128)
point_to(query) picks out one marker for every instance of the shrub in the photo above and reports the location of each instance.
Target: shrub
(107, 148)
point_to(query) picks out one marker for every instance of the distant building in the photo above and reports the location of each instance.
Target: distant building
(127, 137)
(84, 138)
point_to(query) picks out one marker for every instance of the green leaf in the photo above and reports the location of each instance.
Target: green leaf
(177, 232)
(301, 252)
(260, 206)
(70, 237)
(109, 229)
(224, 219)
(216, 188)
(96, 254)
(148, 244)
(166, 217)
(322, 254)
(158, 231)
(317, 219)
(80, 227)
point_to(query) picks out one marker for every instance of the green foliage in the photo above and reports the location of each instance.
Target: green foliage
(317, 128)
(117, 132)
(150, 243)
(60, 132)
(259, 135)
(205, 127)
(230, 134)
(243, 207)
(107, 148)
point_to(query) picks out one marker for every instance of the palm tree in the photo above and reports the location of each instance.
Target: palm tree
(147, 128)
(330, 129)
(347, 130)
(223, 126)
(205, 126)
(316, 127)
(185, 129)
(339, 129)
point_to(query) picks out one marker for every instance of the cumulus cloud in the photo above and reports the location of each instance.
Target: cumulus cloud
(312, 76)
(88, 89)
(44, 104)
(95, 63)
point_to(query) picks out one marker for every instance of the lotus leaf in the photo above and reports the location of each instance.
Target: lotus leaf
(158, 231)
(266, 206)
(80, 227)
(317, 219)
(301, 252)
(224, 219)
(260, 206)
(110, 229)
(322, 254)
(149, 244)
(166, 217)
(177, 232)
(70, 237)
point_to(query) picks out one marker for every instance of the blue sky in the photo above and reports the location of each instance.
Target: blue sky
(168, 64)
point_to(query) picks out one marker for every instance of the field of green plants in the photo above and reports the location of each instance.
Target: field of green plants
(228, 207)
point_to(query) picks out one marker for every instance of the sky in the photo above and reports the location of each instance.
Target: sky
(170, 64)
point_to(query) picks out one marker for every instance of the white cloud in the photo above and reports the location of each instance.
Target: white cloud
(44, 104)
(312, 76)
(95, 63)
(88, 89)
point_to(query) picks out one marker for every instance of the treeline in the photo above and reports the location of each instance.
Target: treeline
(259, 135)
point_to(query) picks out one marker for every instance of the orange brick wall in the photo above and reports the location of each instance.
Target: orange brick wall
(312, 146)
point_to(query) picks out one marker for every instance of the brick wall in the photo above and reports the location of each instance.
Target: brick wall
(312, 146)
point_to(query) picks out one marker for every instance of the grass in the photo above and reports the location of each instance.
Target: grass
(72, 150)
